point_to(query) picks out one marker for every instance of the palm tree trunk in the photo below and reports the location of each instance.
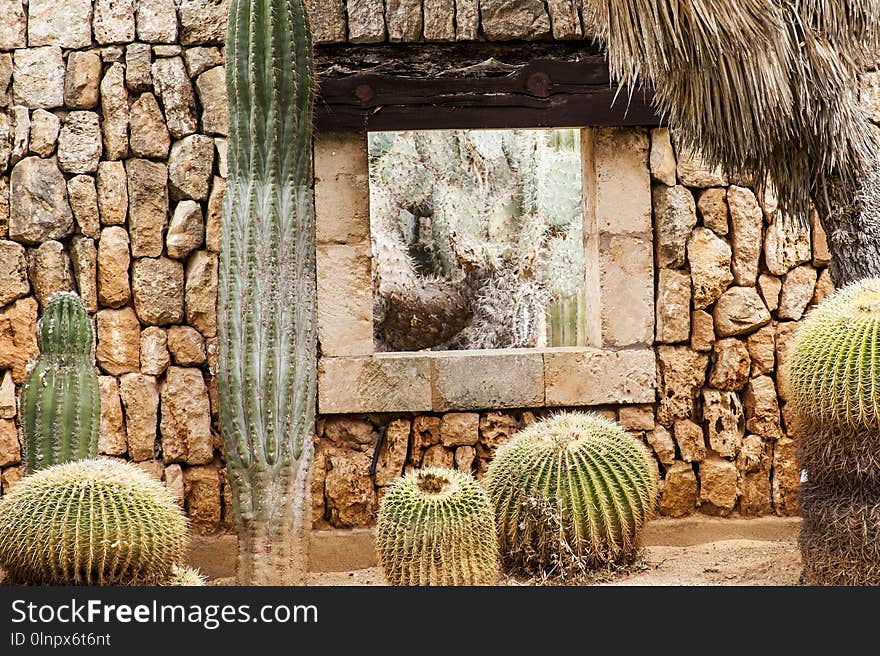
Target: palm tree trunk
(853, 229)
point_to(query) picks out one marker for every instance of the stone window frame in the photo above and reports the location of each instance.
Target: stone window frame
(617, 366)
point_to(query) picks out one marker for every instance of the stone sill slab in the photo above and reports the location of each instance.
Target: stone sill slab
(339, 550)
(478, 380)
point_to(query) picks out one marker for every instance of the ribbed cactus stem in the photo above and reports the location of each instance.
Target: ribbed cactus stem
(60, 400)
(435, 527)
(92, 522)
(267, 299)
(574, 486)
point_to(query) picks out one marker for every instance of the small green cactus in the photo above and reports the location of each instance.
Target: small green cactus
(91, 522)
(834, 363)
(435, 527)
(575, 487)
(60, 399)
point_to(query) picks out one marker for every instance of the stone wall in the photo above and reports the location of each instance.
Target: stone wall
(408, 21)
(112, 173)
(730, 285)
(112, 166)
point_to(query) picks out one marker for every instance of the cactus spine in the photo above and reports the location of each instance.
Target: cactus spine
(91, 522)
(435, 527)
(60, 400)
(267, 299)
(571, 489)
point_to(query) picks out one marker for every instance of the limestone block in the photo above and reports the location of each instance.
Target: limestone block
(508, 20)
(118, 349)
(18, 336)
(725, 420)
(63, 23)
(681, 374)
(662, 157)
(382, 383)
(39, 209)
(718, 491)
(710, 260)
(114, 260)
(38, 77)
(627, 283)
(345, 299)
(713, 210)
(673, 306)
(82, 79)
(578, 377)
(680, 490)
(675, 216)
(148, 206)
(366, 21)
(740, 311)
(404, 20)
(747, 223)
(470, 380)
(342, 191)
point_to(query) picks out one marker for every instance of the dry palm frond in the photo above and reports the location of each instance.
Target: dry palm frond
(849, 25)
(751, 84)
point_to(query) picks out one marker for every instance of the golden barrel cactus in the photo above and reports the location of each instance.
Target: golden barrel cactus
(833, 367)
(435, 527)
(573, 487)
(91, 522)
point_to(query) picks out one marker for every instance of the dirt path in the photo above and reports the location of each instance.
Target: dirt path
(726, 562)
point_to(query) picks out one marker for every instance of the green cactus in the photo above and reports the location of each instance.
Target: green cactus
(834, 363)
(435, 527)
(91, 522)
(573, 480)
(267, 313)
(60, 399)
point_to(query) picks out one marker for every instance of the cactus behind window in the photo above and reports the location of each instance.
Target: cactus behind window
(60, 399)
(267, 300)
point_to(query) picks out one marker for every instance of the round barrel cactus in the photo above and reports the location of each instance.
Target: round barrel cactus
(435, 527)
(840, 535)
(833, 366)
(573, 487)
(91, 522)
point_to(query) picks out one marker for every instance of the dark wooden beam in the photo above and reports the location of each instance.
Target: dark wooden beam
(516, 91)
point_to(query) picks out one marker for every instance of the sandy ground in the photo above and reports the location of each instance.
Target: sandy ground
(726, 562)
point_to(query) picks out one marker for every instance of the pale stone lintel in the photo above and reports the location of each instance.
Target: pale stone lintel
(586, 377)
(478, 380)
(474, 380)
(378, 383)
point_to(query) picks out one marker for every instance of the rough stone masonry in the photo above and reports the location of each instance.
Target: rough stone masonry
(112, 174)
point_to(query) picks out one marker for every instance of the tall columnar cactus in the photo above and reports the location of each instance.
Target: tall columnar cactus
(575, 488)
(91, 522)
(60, 400)
(267, 299)
(435, 527)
